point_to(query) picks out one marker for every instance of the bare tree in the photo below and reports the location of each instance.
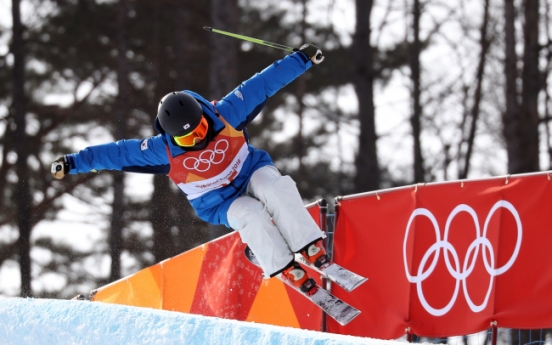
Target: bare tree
(299, 94)
(223, 62)
(366, 162)
(546, 75)
(531, 79)
(417, 112)
(521, 118)
(224, 51)
(179, 61)
(19, 108)
(160, 199)
(512, 111)
(118, 207)
(484, 43)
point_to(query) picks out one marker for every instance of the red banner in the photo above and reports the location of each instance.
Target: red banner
(448, 258)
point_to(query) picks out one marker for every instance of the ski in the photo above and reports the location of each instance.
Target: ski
(339, 275)
(340, 311)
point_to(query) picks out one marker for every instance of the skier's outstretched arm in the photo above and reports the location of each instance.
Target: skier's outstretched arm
(133, 155)
(238, 105)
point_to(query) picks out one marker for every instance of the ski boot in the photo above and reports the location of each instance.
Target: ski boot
(298, 277)
(316, 254)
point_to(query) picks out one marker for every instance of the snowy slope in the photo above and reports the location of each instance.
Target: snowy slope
(41, 321)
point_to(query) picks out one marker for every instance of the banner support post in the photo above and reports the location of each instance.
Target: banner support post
(408, 334)
(323, 205)
(493, 332)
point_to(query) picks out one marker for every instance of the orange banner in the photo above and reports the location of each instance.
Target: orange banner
(216, 279)
(449, 258)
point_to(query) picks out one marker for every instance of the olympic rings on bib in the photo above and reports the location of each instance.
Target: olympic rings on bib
(208, 157)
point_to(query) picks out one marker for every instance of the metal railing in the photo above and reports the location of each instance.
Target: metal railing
(501, 336)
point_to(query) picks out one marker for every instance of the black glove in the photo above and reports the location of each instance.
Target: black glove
(60, 167)
(312, 52)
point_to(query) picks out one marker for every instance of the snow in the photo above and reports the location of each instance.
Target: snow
(46, 321)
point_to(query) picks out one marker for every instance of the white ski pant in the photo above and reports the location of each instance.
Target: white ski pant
(272, 219)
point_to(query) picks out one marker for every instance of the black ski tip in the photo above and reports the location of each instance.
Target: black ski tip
(208, 28)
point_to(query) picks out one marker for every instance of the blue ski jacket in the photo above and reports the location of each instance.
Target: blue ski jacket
(159, 155)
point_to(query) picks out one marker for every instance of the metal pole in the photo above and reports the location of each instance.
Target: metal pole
(409, 336)
(324, 227)
(323, 214)
(494, 332)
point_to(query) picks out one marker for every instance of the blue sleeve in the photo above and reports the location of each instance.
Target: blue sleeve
(133, 155)
(238, 107)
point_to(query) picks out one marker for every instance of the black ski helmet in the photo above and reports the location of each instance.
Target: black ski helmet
(179, 113)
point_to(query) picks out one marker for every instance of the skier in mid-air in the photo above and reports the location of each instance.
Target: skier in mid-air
(203, 147)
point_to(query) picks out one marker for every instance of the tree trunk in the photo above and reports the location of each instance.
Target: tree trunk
(367, 167)
(23, 195)
(300, 91)
(160, 216)
(224, 52)
(545, 76)
(512, 113)
(161, 219)
(118, 207)
(224, 64)
(484, 42)
(521, 118)
(531, 88)
(526, 149)
(415, 119)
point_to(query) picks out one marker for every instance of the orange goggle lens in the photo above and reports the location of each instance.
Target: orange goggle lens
(194, 136)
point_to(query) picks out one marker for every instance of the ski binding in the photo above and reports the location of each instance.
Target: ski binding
(340, 311)
(339, 275)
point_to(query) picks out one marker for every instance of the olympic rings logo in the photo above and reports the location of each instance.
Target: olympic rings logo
(207, 157)
(457, 272)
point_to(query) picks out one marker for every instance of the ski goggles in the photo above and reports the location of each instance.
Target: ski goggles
(194, 136)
